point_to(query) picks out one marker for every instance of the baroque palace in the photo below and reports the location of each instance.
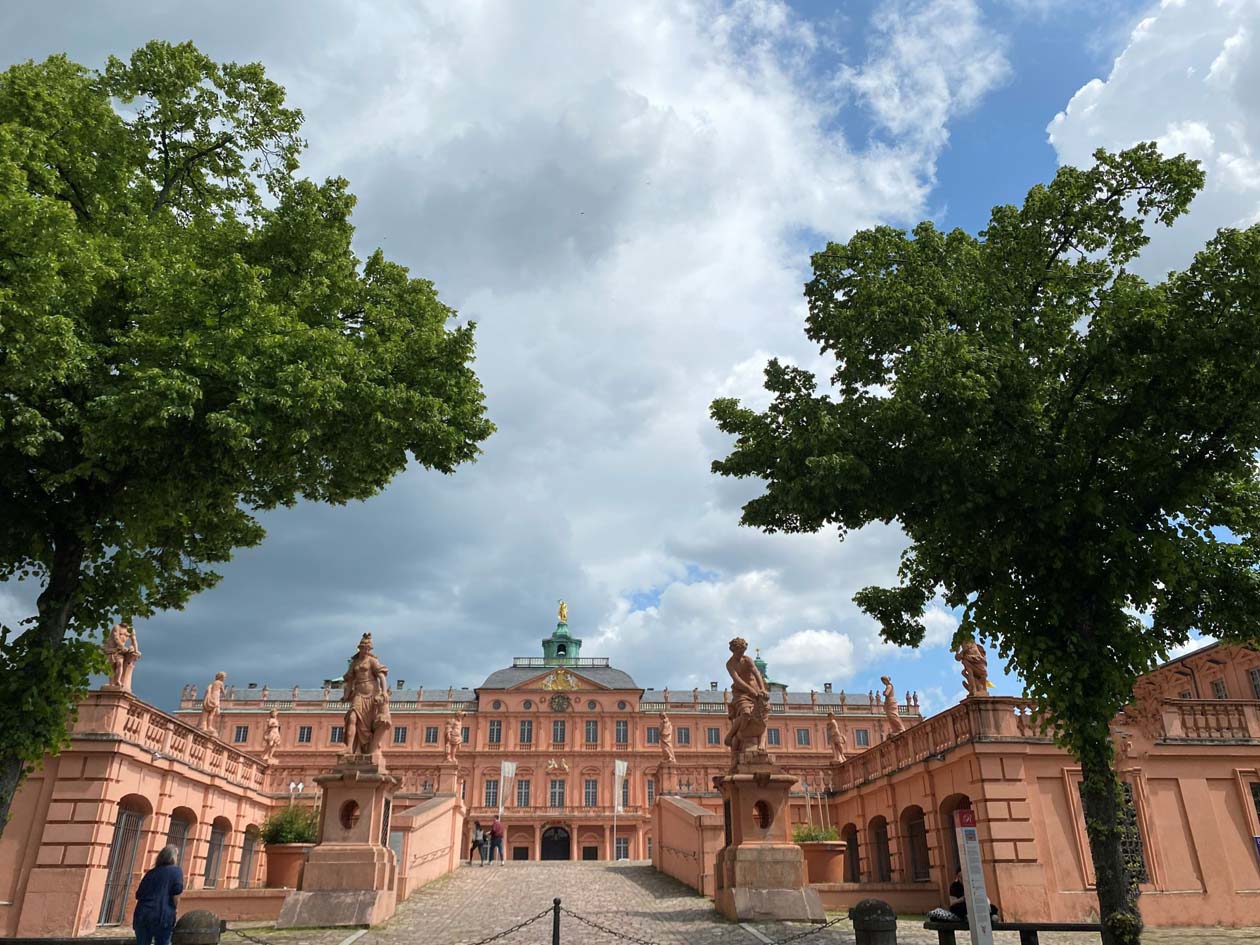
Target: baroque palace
(545, 739)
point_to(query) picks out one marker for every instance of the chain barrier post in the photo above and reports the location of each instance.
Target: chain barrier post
(555, 921)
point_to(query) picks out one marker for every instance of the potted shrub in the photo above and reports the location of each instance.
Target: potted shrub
(824, 853)
(289, 834)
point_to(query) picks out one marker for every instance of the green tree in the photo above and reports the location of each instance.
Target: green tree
(186, 337)
(1069, 449)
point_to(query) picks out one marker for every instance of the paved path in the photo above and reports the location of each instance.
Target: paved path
(477, 902)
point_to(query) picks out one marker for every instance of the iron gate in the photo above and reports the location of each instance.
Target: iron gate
(122, 862)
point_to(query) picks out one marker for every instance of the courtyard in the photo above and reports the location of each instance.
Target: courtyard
(633, 900)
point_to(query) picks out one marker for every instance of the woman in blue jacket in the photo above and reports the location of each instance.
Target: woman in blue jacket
(154, 918)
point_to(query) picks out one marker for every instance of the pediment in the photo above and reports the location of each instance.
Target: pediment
(560, 679)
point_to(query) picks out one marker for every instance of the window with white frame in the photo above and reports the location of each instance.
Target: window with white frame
(337, 735)
(622, 729)
(522, 792)
(653, 735)
(621, 848)
(526, 732)
(492, 792)
(400, 734)
(557, 731)
(590, 793)
(713, 735)
(494, 732)
(557, 792)
(651, 791)
(592, 732)
(463, 735)
(862, 738)
(1218, 689)
(802, 737)
(684, 736)
(304, 734)
(774, 737)
(430, 734)
(1254, 676)
(241, 734)
(625, 793)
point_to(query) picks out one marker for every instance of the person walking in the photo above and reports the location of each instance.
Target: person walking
(485, 845)
(476, 843)
(154, 917)
(496, 839)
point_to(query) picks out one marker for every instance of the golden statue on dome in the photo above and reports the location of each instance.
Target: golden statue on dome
(564, 612)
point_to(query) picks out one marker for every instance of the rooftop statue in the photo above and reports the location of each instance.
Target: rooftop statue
(975, 668)
(454, 735)
(749, 707)
(564, 612)
(122, 651)
(891, 712)
(366, 689)
(209, 721)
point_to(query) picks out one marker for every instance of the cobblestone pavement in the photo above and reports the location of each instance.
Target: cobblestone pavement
(475, 903)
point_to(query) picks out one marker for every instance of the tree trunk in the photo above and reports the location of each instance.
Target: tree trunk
(55, 605)
(1117, 890)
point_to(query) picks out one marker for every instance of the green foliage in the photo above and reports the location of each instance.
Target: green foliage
(807, 833)
(1070, 449)
(292, 824)
(186, 337)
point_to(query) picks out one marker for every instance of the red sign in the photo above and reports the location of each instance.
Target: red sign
(965, 818)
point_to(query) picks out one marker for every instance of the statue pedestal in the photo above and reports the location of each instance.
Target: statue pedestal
(448, 778)
(760, 873)
(349, 876)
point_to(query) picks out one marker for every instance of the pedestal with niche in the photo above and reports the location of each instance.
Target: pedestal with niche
(349, 877)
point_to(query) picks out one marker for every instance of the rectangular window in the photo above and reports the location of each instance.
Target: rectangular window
(1130, 834)
(304, 734)
(430, 734)
(400, 734)
(862, 738)
(651, 791)
(557, 793)
(1254, 676)
(463, 734)
(557, 732)
(623, 731)
(684, 736)
(1218, 689)
(592, 732)
(242, 734)
(336, 735)
(1187, 694)
(713, 736)
(494, 734)
(802, 736)
(621, 848)
(590, 793)
(625, 793)
(527, 731)
(653, 735)
(649, 846)
(492, 792)
(1255, 796)
(774, 737)
(522, 793)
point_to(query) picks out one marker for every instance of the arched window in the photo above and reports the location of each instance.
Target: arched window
(852, 855)
(880, 858)
(219, 831)
(249, 857)
(914, 839)
(128, 839)
(183, 822)
(955, 802)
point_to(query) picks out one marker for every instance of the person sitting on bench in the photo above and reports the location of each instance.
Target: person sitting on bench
(958, 899)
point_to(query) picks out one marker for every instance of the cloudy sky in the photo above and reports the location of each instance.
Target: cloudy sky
(624, 197)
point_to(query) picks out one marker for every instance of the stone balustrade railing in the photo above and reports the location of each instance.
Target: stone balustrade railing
(1210, 720)
(994, 718)
(166, 737)
(682, 704)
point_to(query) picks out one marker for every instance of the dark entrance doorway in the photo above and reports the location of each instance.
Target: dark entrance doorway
(555, 844)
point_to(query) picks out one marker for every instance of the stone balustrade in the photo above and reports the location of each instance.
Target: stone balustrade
(1190, 720)
(994, 718)
(121, 713)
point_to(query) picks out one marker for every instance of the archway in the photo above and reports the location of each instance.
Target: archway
(952, 804)
(556, 844)
(852, 855)
(877, 844)
(916, 860)
(127, 842)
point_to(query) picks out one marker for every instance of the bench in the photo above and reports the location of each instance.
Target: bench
(947, 931)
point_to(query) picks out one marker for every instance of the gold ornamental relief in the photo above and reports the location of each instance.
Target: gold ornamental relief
(560, 680)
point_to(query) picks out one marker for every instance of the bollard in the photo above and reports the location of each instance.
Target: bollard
(874, 923)
(199, 927)
(555, 922)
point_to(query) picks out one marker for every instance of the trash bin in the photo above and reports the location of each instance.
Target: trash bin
(874, 923)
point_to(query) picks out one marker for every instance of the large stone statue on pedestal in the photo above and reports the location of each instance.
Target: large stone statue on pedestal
(122, 651)
(210, 711)
(760, 873)
(349, 878)
(891, 712)
(975, 666)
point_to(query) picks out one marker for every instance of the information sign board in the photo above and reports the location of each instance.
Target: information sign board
(978, 916)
